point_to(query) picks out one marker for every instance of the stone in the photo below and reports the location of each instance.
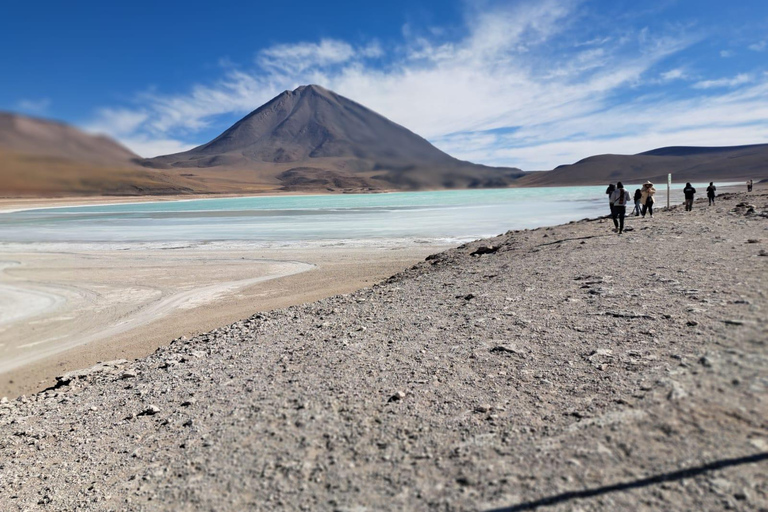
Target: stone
(150, 411)
(505, 349)
(485, 249)
(396, 397)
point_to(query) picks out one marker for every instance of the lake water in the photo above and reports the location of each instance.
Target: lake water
(418, 216)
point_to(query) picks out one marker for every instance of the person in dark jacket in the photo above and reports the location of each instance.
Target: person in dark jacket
(689, 192)
(711, 193)
(638, 195)
(609, 191)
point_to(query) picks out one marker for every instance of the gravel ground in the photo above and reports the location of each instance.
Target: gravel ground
(567, 366)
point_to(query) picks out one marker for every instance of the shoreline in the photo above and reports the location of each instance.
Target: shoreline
(125, 304)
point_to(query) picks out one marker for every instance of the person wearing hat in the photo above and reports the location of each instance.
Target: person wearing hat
(646, 198)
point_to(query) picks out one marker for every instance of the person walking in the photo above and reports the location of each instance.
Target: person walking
(689, 192)
(608, 192)
(711, 193)
(619, 199)
(637, 197)
(646, 198)
(749, 186)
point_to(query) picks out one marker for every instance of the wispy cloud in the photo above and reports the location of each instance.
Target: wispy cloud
(759, 47)
(34, 106)
(522, 87)
(674, 74)
(737, 80)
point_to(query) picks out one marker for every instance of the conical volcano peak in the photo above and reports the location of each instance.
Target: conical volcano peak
(312, 127)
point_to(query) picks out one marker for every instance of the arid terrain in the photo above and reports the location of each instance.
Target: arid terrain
(695, 164)
(565, 366)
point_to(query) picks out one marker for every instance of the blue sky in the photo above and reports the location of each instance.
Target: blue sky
(531, 84)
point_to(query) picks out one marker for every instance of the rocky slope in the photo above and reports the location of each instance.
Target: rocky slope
(566, 366)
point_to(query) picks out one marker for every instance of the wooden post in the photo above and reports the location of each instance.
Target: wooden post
(669, 186)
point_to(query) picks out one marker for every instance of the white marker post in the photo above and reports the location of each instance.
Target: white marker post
(669, 186)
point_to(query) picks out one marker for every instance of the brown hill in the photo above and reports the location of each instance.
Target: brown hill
(47, 158)
(312, 138)
(695, 164)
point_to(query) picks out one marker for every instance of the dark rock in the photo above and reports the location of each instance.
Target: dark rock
(485, 249)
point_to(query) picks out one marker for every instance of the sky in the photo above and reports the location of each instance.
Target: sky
(522, 83)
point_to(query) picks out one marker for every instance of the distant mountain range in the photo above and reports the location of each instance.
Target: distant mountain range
(312, 139)
(694, 164)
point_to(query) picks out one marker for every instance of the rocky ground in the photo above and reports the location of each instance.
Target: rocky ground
(566, 367)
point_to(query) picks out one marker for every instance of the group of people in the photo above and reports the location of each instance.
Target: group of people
(618, 198)
(689, 192)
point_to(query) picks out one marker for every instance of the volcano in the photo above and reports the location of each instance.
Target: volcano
(314, 139)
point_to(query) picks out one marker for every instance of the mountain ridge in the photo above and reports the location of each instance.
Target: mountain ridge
(685, 163)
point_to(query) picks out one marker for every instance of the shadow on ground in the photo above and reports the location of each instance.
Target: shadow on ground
(635, 484)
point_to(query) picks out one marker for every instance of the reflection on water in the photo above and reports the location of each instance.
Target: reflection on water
(461, 214)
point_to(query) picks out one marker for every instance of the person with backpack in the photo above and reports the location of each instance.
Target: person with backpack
(637, 197)
(711, 193)
(619, 200)
(646, 198)
(689, 192)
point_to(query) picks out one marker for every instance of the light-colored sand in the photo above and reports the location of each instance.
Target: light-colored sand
(66, 309)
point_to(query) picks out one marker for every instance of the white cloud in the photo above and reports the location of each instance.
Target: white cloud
(296, 58)
(736, 118)
(116, 122)
(726, 53)
(34, 106)
(759, 47)
(149, 147)
(674, 74)
(520, 88)
(739, 79)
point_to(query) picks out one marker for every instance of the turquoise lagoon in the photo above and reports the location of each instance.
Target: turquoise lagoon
(418, 216)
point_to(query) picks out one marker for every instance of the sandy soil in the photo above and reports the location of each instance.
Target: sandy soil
(567, 367)
(71, 309)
